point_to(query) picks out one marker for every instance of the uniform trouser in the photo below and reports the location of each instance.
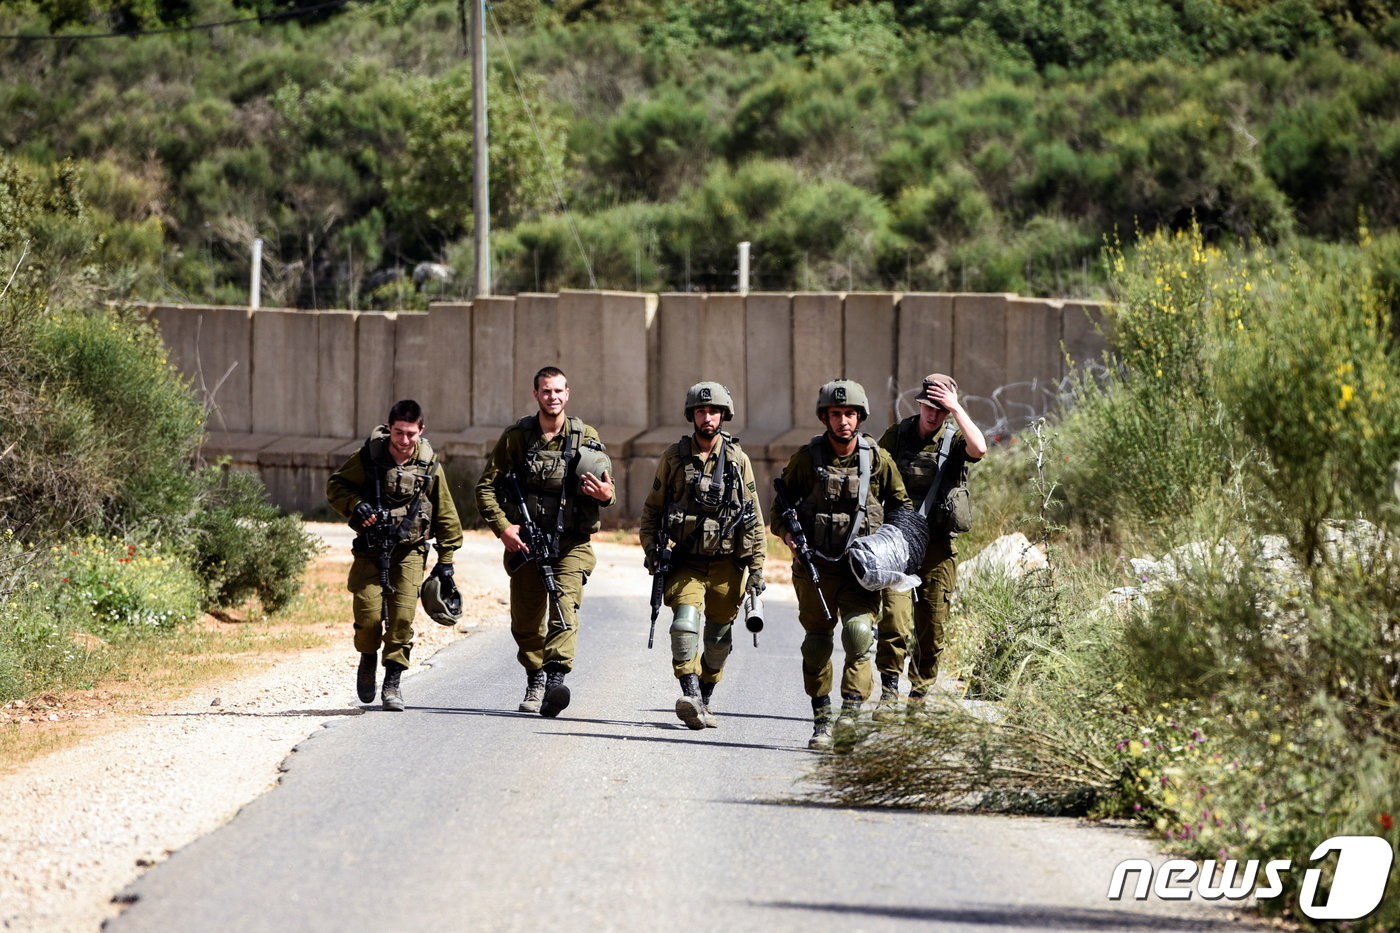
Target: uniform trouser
(715, 587)
(405, 576)
(545, 634)
(852, 607)
(915, 628)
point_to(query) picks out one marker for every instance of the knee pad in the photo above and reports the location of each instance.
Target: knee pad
(685, 633)
(719, 641)
(857, 636)
(817, 646)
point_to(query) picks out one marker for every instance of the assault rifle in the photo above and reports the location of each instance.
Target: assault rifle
(381, 537)
(662, 567)
(804, 553)
(539, 546)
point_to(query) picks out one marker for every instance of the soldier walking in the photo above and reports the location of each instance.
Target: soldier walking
(840, 484)
(558, 468)
(705, 503)
(932, 453)
(392, 491)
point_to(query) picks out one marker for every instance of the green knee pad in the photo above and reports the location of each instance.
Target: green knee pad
(857, 636)
(719, 641)
(816, 649)
(685, 633)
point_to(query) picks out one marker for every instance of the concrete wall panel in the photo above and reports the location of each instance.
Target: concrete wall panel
(375, 339)
(1033, 359)
(447, 400)
(413, 376)
(581, 353)
(536, 346)
(979, 346)
(629, 344)
(493, 373)
(869, 329)
(335, 396)
(680, 323)
(285, 377)
(1084, 331)
(768, 377)
(924, 344)
(817, 350)
(213, 348)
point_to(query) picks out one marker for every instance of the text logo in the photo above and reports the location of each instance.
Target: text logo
(1363, 866)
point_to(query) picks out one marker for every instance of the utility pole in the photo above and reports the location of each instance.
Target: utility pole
(481, 201)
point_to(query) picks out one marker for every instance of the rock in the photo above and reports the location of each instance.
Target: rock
(1010, 555)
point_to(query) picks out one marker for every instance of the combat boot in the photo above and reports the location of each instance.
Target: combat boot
(917, 706)
(821, 719)
(887, 708)
(706, 689)
(844, 734)
(534, 692)
(391, 696)
(364, 677)
(556, 695)
(689, 707)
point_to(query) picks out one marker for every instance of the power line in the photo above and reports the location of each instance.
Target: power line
(169, 29)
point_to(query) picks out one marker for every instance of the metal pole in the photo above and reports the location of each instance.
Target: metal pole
(255, 286)
(480, 172)
(744, 268)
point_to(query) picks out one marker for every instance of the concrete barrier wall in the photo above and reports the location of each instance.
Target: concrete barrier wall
(292, 393)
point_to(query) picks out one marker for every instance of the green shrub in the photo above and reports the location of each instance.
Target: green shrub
(119, 587)
(244, 546)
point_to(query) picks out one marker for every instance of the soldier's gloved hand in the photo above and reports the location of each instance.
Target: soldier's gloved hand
(649, 560)
(756, 586)
(442, 570)
(361, 516)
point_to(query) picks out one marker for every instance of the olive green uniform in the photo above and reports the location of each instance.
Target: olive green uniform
(825, 490)
(543, 634)
(715, 525)
(913, 626)
(416, 486)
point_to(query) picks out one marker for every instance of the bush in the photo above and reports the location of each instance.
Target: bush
(116, 587)
(244, 547)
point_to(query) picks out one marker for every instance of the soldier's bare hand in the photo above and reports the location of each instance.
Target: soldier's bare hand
(512, 540)
(600, 489)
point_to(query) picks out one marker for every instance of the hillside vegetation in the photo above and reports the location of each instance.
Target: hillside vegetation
(938, 144)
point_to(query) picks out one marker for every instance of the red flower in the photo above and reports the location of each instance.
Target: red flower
(1386, 822)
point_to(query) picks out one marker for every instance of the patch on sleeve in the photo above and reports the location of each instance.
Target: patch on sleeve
(656, 483)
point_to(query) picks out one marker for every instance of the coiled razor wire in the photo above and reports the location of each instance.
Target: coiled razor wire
(1013, 407)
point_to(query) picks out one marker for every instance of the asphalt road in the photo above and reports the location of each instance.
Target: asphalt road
(462, 814)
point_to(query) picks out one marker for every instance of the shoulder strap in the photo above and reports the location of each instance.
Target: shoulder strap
(943, 459)
(819, 451)
(867, 463)
(372, 478)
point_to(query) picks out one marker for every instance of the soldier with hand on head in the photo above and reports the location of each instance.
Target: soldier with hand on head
(932, 452)
(393, 492)
(540, 493)
(704, 502)
(839, 484)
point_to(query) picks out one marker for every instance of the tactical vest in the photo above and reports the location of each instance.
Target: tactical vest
(401, 488)
(706, 513)
(833, 514)
(549, 481)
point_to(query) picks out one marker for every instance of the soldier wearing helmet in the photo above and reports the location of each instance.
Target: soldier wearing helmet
(393, 492)
(926, 447)
(564, 474)
(841, 484)
(704, 499)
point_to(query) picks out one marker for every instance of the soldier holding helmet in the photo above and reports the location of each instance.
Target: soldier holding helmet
(560, 467)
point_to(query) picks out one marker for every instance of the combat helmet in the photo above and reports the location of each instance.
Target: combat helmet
(845, 392)
(442, 601)
(592, 458)
(708, 393)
